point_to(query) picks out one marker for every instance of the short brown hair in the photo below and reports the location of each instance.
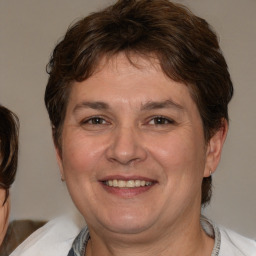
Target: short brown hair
(9, 130)
(184, 44)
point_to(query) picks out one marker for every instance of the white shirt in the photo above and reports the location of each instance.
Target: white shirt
(53, 239)
(235, 244)
(57, 236)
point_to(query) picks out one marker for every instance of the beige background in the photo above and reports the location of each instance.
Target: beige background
(29, 30)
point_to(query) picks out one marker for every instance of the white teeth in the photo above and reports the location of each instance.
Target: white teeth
(114, 183)
(121, 184)
(128, 183)
(137, 183)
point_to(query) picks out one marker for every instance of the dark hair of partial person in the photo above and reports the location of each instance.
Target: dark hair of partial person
(9, 131)
(185, 46)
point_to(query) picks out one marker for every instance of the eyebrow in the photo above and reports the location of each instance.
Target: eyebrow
(151, 105)
(97, 105)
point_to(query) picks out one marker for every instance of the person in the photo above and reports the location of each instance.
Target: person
(138, 99)
(9, 127)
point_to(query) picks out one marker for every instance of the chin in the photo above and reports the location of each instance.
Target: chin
(127, 228)
(128, 223)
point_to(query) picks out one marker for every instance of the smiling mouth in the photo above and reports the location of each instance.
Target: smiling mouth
(127, 183)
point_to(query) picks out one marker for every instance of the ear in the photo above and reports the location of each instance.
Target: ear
(59, 161)
(58, 152)
(214, 149)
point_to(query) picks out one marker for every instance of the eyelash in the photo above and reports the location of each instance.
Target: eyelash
(163, 120)
(158, 120)
(98, 120)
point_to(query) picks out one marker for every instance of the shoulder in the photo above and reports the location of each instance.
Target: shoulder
(236, 245)
(53, 239)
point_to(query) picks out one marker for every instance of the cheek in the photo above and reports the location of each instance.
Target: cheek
(168, 150)
(179, 154)
(80, 155)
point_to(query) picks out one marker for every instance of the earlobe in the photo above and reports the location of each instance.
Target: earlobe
(214, 149)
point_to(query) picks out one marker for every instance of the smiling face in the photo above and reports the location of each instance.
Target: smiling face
(133, 150)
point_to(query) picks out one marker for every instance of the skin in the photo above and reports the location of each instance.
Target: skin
(129, 123)
(4, 215)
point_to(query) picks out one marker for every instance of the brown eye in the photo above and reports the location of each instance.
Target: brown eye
(95, 121)
(159, 120)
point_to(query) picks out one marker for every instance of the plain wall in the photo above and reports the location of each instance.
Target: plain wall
(29, 29)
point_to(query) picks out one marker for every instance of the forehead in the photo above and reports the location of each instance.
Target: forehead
(135, 81)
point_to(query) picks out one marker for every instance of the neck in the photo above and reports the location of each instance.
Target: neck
(187, 240)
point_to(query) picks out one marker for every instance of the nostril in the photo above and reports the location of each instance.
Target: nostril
(126, 146)
(126, 155)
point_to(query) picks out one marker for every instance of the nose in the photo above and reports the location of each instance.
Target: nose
(126, 147)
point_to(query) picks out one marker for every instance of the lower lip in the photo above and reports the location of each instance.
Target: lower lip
(127, 192)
